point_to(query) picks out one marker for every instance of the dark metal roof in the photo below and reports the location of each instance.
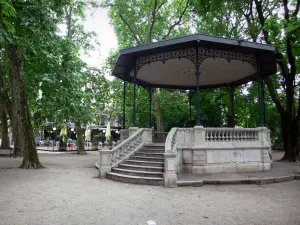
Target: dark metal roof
(265, 55)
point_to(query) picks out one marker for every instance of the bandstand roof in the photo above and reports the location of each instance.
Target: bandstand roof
(172, 63)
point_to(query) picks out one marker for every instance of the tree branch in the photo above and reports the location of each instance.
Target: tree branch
(262, 20)
(274, 96)
(130, 28)
(291, 58)
(152, 21)
(247, 16)
(177, 22)
(297, 9)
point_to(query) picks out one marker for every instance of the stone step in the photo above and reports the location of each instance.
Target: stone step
(144, 158)
(134, 179)
(143, 168)
(137, 172)
(154, 147)
(152, 150)
(143, 163)
(148, 154)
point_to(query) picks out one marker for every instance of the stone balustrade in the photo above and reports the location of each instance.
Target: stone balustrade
(231, 134)
(111, 158)
(170, 177)
(124, 134)
(216, 150)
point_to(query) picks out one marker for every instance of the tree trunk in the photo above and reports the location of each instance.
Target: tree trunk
(158, 116)
(62, 143)
(291, 137)
(4, 130)
(12, 114)
(80, 141)
(20, 105)
(16, 133)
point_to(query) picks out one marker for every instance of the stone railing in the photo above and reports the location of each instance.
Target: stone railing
(111, 158)
(170, 177)
(171, 140)
(231, 134)
(124, 134)
(216, 150)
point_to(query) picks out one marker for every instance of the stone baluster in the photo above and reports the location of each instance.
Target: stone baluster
(223, 136)
(240, 135)
(219, 136)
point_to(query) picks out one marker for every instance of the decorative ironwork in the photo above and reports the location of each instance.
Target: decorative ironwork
(191, 54)
(205, 53)
(187, 53)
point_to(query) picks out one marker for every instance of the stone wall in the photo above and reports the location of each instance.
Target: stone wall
(218, 150)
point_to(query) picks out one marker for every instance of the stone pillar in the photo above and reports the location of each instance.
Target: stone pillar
(104, 163)
(266, 153)
(147, 136)
(199, 134)
(132, 130)
(170, 176)
(263, 136)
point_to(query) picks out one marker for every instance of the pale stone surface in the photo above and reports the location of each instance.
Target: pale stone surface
(219, 150)
(132, 130)
(170, 177)
(187, 156)
(111, 158)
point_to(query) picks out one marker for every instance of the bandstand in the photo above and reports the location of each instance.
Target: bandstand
(193, 62)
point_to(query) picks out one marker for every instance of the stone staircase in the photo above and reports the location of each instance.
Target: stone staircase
(146, 166)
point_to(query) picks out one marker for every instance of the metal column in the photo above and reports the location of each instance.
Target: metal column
(150, 106)
(232, 88)
(198, 122)
(124, 103)
(134, 99)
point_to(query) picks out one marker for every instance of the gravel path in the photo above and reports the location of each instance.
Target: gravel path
(66, 192)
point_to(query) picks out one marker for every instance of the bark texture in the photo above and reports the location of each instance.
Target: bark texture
(20, 107)
(4, 130)
(62, 143)
(6, 102)
(80, 141)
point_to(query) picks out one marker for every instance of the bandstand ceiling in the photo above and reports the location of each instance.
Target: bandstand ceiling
(172, 63)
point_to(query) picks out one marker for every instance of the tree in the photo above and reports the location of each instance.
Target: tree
(141, 22)
(25, 27)
(273, 22)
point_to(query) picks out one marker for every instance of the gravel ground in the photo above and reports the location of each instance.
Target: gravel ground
(66, 192)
